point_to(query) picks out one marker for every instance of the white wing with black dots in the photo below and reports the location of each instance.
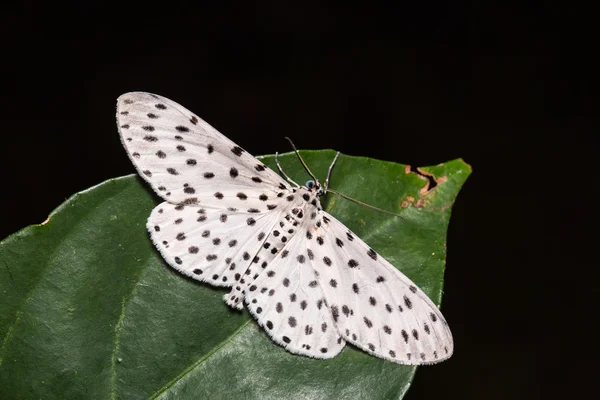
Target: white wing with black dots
(290, 305)
(220, 200)
(228, 220)
(186, 160)
(374, 305)
(213, 245)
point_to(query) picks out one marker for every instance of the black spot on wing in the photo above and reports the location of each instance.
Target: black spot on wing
(371, 253)
(237, 150)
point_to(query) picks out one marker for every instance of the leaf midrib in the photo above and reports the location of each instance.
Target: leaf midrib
(119, 325)
(202, 359)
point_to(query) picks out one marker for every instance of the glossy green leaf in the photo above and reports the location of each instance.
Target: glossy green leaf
(89, 310)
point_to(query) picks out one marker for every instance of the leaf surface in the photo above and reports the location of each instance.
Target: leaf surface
(89, 309)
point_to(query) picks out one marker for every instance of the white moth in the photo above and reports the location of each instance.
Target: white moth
(228, 220)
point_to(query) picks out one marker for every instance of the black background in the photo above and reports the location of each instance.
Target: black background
(508, 89)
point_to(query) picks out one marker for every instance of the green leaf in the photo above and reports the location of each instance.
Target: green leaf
(89, 309)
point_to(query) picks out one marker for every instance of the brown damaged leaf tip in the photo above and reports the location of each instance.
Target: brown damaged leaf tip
(431, 182)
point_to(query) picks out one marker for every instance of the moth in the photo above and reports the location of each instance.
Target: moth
(230, 221)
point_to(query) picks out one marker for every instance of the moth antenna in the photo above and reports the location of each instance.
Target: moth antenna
(282, 171)
(302, 161)
(366, 205)
(326, 186)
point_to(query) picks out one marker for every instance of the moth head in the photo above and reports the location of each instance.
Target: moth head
(315, 186)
